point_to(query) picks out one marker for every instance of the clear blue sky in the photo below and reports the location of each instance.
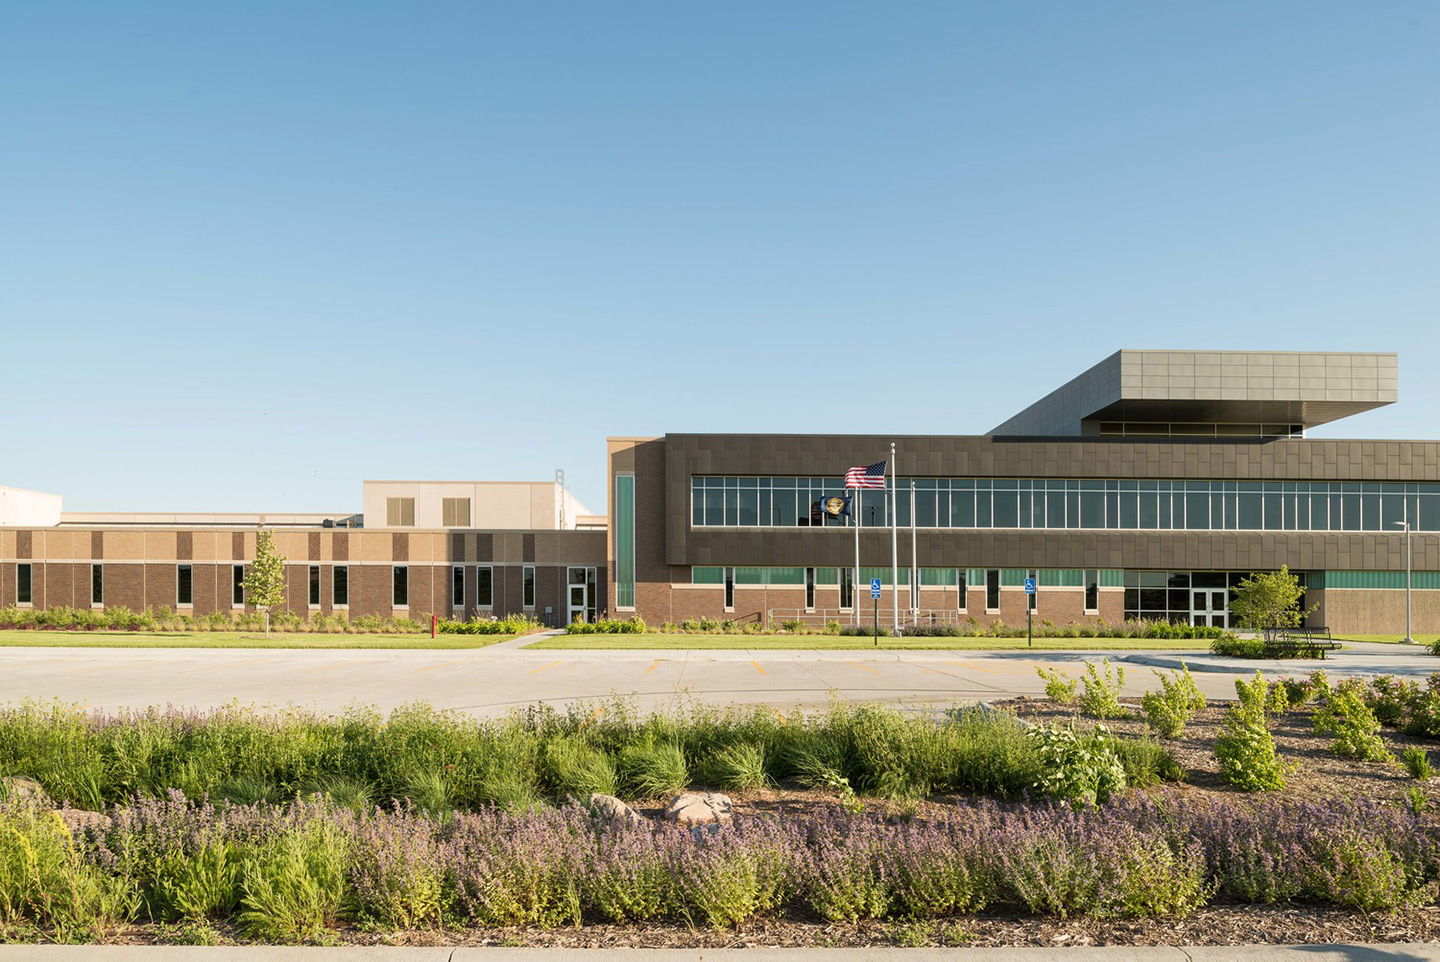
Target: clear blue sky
(251, 253)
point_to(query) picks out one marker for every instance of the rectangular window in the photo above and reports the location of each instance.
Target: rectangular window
(625, 541)
(1092, 590)
(960, 583)
(315, 586)
(992, 589)
(237, 582)
(24, 584)
(340, 586)
(527, 589)
(400, 586)
(484, 586)
(184, 585)
(1033, 598)
(455, 512)
(729, 588)
(400, 512)
(809, 587)
(97, 584)
(457, 586)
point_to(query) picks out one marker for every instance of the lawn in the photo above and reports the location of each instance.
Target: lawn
(236, 639)
(844, 642)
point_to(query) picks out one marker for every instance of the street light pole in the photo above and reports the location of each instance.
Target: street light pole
(1409, 639)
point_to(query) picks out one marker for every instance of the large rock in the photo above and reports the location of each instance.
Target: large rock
(77, 820)
(609, 812)
(699, 808)
(18, 788)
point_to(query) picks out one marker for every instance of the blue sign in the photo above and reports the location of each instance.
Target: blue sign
(1029, 586)
(874, 587)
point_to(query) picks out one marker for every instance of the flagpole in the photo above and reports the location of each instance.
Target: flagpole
(894, 541)
(914, 561)
(855, 575)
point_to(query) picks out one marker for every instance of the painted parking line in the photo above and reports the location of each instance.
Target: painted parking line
(542, 667)
(976, 667)
(421, 671)
(862, 667)
(652, 666)
(757, 667)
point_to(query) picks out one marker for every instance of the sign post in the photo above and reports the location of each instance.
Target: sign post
(1029, 612)
(875, 601)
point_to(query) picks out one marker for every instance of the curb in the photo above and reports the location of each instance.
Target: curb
(1400, 952)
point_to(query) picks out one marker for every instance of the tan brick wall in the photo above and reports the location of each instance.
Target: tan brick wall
(1375, 611)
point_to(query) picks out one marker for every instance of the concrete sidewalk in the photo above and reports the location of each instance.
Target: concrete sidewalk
(1429, 952)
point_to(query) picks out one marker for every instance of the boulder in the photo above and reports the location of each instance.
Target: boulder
(77, 820)
(21, 789)
(699, 808)
(609, 812)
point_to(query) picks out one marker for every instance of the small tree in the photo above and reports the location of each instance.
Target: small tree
(264, 582)
(1269, 601)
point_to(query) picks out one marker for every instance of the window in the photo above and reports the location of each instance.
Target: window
(400, 586)
(455, 512)
(184, 585)
(484, 586)
(729, 589)
(1092, 590)
(527, 587)
(992, 590)
(624, 540)
(457, 586)
(315, 586)
(809, 587)
(847, 587)
(237, 585)
(97, 584)
(340, 586)
(24, 584)
(400, 512)
(1033, 598)
(960, 584)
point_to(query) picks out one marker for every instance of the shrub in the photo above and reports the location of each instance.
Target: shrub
(1417, 763)
(1146, 762)
(1233, 647)
(1078, 767)
(293, 884)
(1346, 716)
(45, 881)
(1168, 709)
(1246, 752)
(634, 625)
(1058, 688)
(1390, 699)
(1101, 697)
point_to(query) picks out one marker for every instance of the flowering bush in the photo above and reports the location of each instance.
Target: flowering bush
(1346, 716)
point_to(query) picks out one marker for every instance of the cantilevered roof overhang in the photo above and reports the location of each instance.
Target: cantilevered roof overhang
(1212, 387)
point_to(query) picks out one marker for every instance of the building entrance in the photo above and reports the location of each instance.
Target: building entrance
(1208, 607)
(581, 592)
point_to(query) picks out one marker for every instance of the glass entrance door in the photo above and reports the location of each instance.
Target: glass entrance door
(1207, 607)
(580, 596)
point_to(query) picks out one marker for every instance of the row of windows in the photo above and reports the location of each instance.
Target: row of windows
(185, 584)
(960, 578)
(485, 586)
(1074, 503)
(454, 512)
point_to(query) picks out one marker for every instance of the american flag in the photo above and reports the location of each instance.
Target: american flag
(861, 476)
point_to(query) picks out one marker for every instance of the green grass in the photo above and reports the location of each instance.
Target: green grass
(236, 639)
(853, 642)
(1390, 639)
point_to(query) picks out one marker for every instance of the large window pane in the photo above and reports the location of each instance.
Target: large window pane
(625, 540)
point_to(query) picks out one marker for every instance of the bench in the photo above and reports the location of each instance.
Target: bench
(1301, 643)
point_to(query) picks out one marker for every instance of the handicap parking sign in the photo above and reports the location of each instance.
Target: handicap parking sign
(874, 587)
(1029, 586)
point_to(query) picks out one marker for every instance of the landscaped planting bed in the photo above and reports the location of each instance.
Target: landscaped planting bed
(853, 826)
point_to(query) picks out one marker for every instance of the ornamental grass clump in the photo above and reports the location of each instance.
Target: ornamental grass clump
(1246, 751)
(1168, 709)
(1417, 763)
(1346, 716)
(1101, 697)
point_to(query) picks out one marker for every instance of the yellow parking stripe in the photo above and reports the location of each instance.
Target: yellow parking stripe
(858, 665)
(420, 671)
(652, 666)
(757, 667)
(542, 667)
